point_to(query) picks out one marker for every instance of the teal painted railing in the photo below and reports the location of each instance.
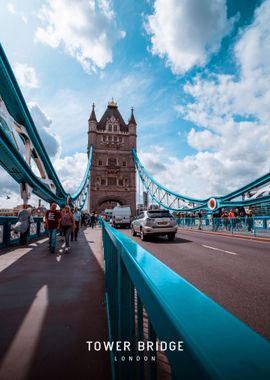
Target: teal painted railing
(258, 225)
(9, 237)
(216, 345)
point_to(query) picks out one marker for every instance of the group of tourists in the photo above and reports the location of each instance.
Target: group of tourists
(233, 219)
(89, 220)
(64, 220)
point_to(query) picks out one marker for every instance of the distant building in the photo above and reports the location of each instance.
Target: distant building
(145, 200)
(113, 173)
(39, 211)
(7, 212)
(140, 208)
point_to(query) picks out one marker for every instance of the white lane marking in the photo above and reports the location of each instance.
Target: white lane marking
(218, 249)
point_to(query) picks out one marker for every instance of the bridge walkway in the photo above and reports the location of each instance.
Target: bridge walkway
(51, 304)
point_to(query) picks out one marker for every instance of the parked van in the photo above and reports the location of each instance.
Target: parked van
(121, 216)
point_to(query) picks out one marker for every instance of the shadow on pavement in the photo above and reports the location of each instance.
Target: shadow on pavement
(50, 306)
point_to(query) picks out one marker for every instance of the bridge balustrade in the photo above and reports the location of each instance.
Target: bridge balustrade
(8, 237)
(148, 302)
(258, 225)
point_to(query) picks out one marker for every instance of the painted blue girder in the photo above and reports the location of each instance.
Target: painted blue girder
(221, 201)
(188, 199)
(11, 159)
(86, 177)
(16, 105)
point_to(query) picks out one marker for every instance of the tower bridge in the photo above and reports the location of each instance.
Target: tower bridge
(55, 307)
(113, 169)
(111, 146)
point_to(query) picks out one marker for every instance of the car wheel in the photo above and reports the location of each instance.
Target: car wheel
(142, 235)
(171, 236)
(133, 231)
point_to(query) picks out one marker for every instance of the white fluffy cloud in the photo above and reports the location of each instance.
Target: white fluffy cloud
(43, 123)
(86, 28)
(186, 32)
(12, 9)
(26, 75)
(71, 170)
(232, 114)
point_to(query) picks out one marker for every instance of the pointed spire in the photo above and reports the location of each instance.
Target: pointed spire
(93, 114)
(112, 104)
(132, 118)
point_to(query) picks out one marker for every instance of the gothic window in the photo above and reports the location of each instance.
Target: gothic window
(126, 182)
(120, 139)
(103, 182)
(97, 180)
(100, 163)
(112, 162)
(103, 138)
(115, 138)
(124, 163)
(112, 181)
(109, 127)
(115, 128)
(121, 182)
(110, 138)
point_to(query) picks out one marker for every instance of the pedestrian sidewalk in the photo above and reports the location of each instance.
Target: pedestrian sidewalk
(51, 304)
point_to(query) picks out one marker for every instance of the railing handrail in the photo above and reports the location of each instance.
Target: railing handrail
(216, 344)
(209, 217)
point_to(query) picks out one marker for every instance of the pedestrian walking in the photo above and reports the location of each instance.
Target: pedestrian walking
(77, 219)
(232, 219)
(52, 223)
(216, 219)
(23, 224)
(92, 220)
(199, 215)
(225, 218)
(249, 216)
(68, 225)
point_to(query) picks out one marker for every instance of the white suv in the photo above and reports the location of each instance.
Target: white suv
(154, 222)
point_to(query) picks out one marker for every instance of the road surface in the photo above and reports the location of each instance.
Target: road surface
(232, 271)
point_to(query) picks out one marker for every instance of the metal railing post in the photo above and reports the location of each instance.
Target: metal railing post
(126, 319)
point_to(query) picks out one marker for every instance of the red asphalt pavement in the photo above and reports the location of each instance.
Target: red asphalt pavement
(50, 306)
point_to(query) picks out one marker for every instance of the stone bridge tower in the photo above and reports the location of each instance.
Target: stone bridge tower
(113, 176)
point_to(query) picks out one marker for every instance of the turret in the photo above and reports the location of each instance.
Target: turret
(92, 125)
(132, 126)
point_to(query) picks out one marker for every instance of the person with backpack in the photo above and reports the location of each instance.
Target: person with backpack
(68, 225)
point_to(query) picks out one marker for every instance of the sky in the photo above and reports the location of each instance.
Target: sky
(197, 73)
